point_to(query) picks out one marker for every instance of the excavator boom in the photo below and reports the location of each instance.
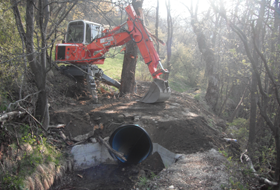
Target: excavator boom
(89, 48)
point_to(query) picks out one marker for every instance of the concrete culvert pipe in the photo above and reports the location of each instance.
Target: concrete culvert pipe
(133, 141)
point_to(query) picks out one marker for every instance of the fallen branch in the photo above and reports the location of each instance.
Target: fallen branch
(34, 119)
(251, 166)
(62, 135)
(118, 154)
(17, 102)
(56, 126)
(11, 115)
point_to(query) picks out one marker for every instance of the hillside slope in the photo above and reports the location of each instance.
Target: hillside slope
(180, 124)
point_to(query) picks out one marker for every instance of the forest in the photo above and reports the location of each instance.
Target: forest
(223, 53)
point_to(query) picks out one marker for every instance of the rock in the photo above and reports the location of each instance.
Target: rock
(142, 173)
(89, 155)
(93, 140)
(121, 116)
(83, 137)
(221, 123)
(187, 110)
(96, 118)
(171, 187)
(87, 116)
(175, 104)
(136, 118)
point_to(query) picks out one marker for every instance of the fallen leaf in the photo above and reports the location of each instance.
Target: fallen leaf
(103, 90)
(69, 143)
(95, 127)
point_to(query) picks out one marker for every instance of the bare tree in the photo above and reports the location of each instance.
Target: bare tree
(169, 34)
(253, 109)
(212, 93)
(156, 31)
(38, 58)
(263, 97)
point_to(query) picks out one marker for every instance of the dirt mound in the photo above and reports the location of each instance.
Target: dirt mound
(176, 124)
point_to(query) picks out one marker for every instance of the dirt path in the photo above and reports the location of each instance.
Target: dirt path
(202, 170)
(176, 124)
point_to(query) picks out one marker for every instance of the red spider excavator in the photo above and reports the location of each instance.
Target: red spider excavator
(87, 42)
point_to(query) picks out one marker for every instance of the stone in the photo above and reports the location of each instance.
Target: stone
(89, 155)
(136, 118)
(83, 137)
(93, 140)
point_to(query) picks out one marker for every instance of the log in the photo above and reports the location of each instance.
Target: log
(118, 154)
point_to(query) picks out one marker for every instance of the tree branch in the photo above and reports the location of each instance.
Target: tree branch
(251, 166)
(61, 19)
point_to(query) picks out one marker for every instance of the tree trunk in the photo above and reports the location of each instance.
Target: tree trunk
(169, 35)
(130, 59)
(253, 114)
(237, 107)
(129, 66)
(212, 93)
(277, 143)
(157, 17)
(38, 66)
(253, 99)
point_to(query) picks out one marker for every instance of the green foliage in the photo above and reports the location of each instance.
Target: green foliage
(11, 47)
(143, 181)
(240, 122)
(197, 97)
(241, 132)
(153, 175)
(236, 184)
(232, 168)
(3, 101)
(182, 65)
(224, 153)
(178, 85)
(12, 182)
(142, 71)
(264, 158)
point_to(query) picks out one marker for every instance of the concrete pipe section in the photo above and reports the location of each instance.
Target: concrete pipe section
(133, 141)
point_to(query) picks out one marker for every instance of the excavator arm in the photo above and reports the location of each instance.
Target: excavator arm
(93, 53)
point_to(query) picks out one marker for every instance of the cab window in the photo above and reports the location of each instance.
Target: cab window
(75, 32)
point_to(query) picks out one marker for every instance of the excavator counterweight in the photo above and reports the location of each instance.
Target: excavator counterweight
(87, 42)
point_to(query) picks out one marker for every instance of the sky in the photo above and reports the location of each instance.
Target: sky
(177, 6)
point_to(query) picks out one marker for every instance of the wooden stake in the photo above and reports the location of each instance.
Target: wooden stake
(118, 154)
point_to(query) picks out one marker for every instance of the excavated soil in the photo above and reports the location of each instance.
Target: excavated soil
(179, 124)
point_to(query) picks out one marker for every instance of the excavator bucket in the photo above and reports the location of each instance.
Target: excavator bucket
(159, 92)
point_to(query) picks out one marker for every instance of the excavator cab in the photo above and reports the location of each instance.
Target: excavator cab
(81, 31)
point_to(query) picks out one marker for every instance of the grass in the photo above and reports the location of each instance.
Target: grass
(41, 153)
(113, 64)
